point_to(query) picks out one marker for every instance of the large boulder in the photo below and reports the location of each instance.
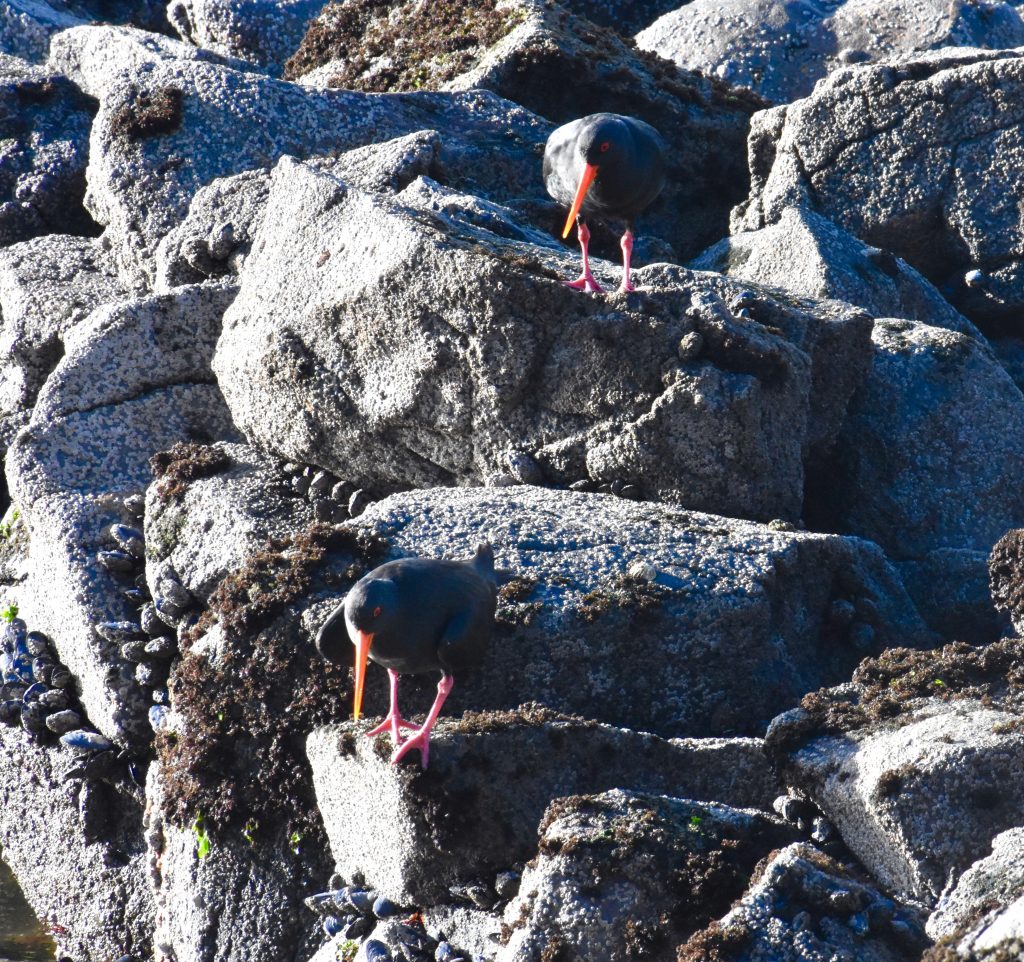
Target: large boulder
(526, 51)
(263, 32)
(413, 834)
(134, 380)
(44, 129)
(919, 762)
(27, 25)
(781, 49)
(927, 464)
(177, 125)
(809, 255)
(77, 850)
(622, 875)
(804, 905)
(445, 382)
(915, 157)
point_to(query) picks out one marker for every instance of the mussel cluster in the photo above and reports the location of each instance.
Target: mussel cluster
(333, 500)
(351, 911)
(37, 691)
(148, 643)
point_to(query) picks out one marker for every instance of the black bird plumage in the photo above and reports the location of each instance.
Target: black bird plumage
(420, 615)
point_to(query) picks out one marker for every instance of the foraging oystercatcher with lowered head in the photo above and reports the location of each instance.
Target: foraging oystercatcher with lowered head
(605, 165)
(413, 616)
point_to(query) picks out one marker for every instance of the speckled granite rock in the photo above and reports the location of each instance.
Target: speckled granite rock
(474, 812)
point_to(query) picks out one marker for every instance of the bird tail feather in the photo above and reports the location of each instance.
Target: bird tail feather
(483, 561)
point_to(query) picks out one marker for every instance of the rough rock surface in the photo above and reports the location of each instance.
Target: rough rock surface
(217, 234)
(242, 894)
(918, 763)
(474, 812)
(596, 889)
(44, 131)
(804, 905)
(455, 378)
(93, 894)
(926, 462)
(916, 157)
(27, 25)
(264, 32)
(1006, 577)
(47, 285)
(524, 51)
(171, 128)
(134, 380)
(807, 254)
(780, 49)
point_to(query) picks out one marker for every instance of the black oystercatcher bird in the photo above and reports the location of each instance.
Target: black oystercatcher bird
(606, 165)
(414, 616)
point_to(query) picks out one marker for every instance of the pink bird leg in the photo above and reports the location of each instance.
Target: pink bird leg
(627, 256)
(586, 281)
(421, 739)
(394, 720)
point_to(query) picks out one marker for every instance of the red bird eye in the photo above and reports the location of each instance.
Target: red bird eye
(376, 612)
(604, 147)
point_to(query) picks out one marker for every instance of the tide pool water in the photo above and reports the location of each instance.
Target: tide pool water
(22, 937)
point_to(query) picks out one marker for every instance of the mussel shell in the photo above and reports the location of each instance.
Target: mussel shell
(158, 717)
(14, 634)
(10, 711)
(119, 632)
(23, 668)
(116, 560)
(33, 718)
(62, 722)
(135, 505)
(129, 539)
(149, 674)
(60, 677)
(332, 926)
(361, 901)
(175, 593)
(83, 740)
(134, 651)
(55, 699)
(136, 595)
(42, 668)
(376, 951)
(360, 926)
(103, 764)
(384, 908)
(34, 692)
(162, 648)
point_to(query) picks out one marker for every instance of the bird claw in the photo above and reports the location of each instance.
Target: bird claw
(587, 282)
(626, 286)
(420, 740)
(392, 723)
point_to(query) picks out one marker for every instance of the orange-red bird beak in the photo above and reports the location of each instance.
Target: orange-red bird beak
(363, 642)
(589, 173)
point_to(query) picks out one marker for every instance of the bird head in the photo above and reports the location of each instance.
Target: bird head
(366, 610)
(599, 143)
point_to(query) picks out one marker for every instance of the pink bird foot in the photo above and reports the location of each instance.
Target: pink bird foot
(586, 281)
(627, 256)
(421, 740)
(393, 721)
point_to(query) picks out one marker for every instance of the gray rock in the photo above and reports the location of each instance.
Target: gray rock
(184, 257)
(918, 800)
(538, 369)
(1006, 577)
(1000, 937)
(134, 381)
(47, 285)
(569, 566)
(988, 887)
(928, 462)
(472, 931)
(163, 133)
(27, 25)
(909, 157)
(263, 32)
(97, 56)
(781, 49)
(807, 254)
(45, 136)
(600, 884)
(458, 821)
(523, 51)
(94, 897)
(238, 893)
(205, 532)
(804, 905)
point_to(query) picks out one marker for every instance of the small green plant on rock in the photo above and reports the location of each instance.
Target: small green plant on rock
(250, 830)
(9, 613)
(295, 842)
(346, 951)
(8, 525)
(201, 836)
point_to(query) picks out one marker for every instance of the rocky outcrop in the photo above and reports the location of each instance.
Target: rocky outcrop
(910, 157)
(781, 50)
(412, 835)
(1006, 578)
(262, 32)
(135, 378)
(803, 904)
(916, 762)
(453, 379)
(77, 850)
(594, 890)
(809, 255)
(45, 129)
(27, 25)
